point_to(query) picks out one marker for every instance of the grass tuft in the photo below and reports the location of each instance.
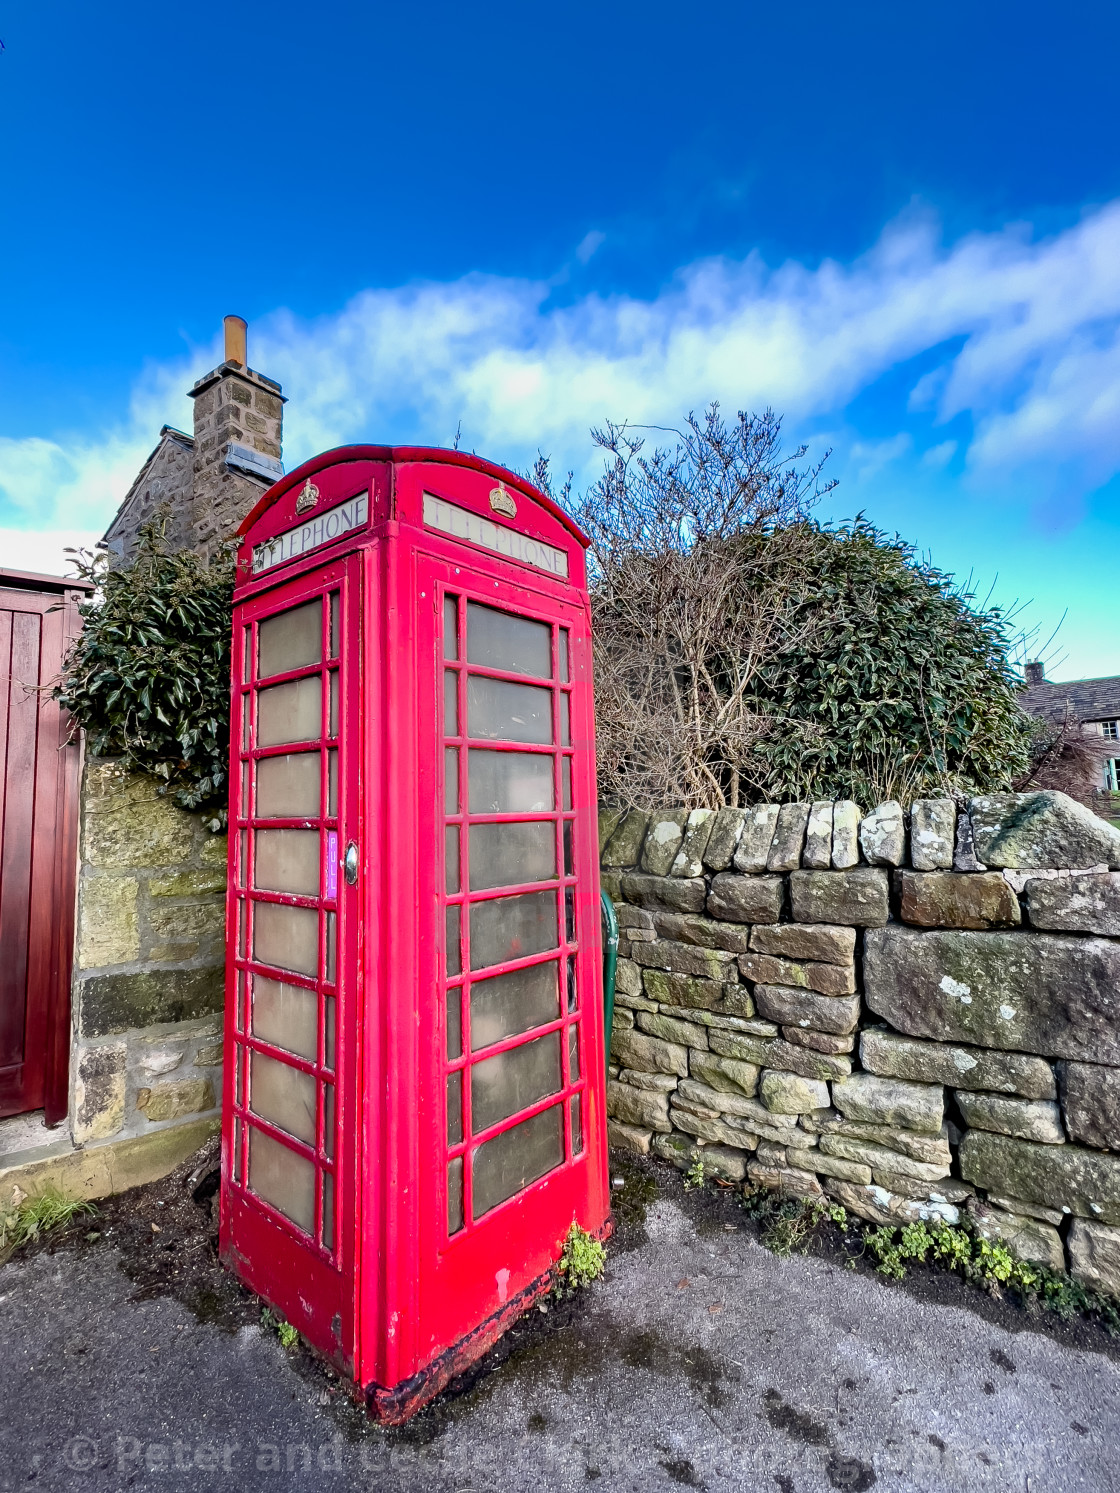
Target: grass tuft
(24, 1220)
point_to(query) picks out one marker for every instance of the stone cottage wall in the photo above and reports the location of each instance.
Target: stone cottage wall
(149, 967)
(915, 1014)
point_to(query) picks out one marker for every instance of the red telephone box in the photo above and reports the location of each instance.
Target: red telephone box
(414, 1109)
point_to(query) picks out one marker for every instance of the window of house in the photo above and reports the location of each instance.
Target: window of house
(1112, 775)
(1111, 729)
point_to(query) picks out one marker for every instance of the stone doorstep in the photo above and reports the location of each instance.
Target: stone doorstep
(26, 1135)
(109, 1167)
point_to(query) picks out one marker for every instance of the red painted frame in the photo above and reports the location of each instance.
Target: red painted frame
(398, 1304)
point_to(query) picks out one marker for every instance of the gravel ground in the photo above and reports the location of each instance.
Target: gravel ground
(702, 1361)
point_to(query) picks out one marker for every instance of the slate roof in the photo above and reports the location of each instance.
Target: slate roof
(1088, 699)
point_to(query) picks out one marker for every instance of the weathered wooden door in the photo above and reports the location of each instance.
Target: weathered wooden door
(38, 844)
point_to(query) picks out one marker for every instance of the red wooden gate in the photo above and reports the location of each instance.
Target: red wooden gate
(38, 843)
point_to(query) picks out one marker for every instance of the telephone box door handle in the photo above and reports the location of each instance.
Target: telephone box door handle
(350, 864)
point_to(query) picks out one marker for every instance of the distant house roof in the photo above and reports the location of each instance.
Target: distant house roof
(1088, 699)
(168, 435)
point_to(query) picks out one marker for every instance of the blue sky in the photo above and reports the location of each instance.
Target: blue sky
(899, 225)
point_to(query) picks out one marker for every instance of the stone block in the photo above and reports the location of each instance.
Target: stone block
(1041, 831)
(657, 1083)
(825, 1013)
(1040, 1243)
(724, 1074)
(724, 1163)
(126, 824)
(625, 844)
(1029, 1119)
(627, 978)
(1024, 992)
(745, 1046)
(670, 1029)
(120, 1003)
(857, 898)
(745, 1116)
(176, 1098)
(912, 1143)
(686, 959)
(882, 835)
(662, 841)
(1076, 904)
(630, 1138)
(745, 899)
(159, 1056)
(787, 1181)
(633, 918)
(666, 893)
(789, 837)
(717, 1131)
(1085, 1182)
(99, 1091)
(649, 1054)
(196, 922)
(845, 835)
(719, 1098)
(817, 854)
(682, 990)
(609, 820)
(880, 1157)
(823, 1042)
(768, 1154)
(946, 899)
(823, 942)
(880, 1205)
(933, 825)
(679, 1150)
(188, 884)
(1091, 1104)
(891, 1101)
(959, 1067)
(794, 1058)
(826, 979)
(755, 839)
(1054, 1216)
(689, 859)
(1094, 1256)
(210, 1056)
(693, 928)
(723, 842)
(108, 923)
(835, 1166)
(623, 1018)
(791, 1094)
(214, 850)
(640, 1107)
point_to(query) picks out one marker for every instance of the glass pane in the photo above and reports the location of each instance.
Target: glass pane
(451, 941)
(451, 780)
(511, 854)
(336, 633)
(246, 719)
(246, 653)
(569, 860)
(287, 937)
(505, 1005)
(455, 1195)
(577, 1127)
(328, 1211)
(287, 1016)
(242, 923)
(566, 782)
(287, 860)
(288, 787)
(455, 1107)
(573, 1000)
(328, 1033)
(332, 727)
(513, 1080)
(509, 782)
(290, 640)
(573, 1054)
(451, 858)
(564, 679)
(244, 805)
(238, 1165)
(332, 783)
(508, 928)
(332, 921)
(282, 1178)
(565, 720)
(450, 627)
(570, 914)
(290, 712)
(242, 858)
(238, 1088)
(450, 703)
(328, 1118)
(498, 641)
(510, 1161)
(284, 1096)
(498, 710)
(454, 1024)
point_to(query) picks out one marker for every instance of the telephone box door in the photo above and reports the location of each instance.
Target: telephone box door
(512, 938)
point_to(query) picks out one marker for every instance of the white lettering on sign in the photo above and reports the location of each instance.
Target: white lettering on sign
(462, 524)
(309, 536)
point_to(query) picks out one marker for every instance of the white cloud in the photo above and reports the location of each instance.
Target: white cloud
(940, 455)
(1024, 337)
(870, 457)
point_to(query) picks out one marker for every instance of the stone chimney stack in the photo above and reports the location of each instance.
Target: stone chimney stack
(1034, 673)
(238, 420)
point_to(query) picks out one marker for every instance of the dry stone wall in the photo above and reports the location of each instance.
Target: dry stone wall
(914, 1012)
